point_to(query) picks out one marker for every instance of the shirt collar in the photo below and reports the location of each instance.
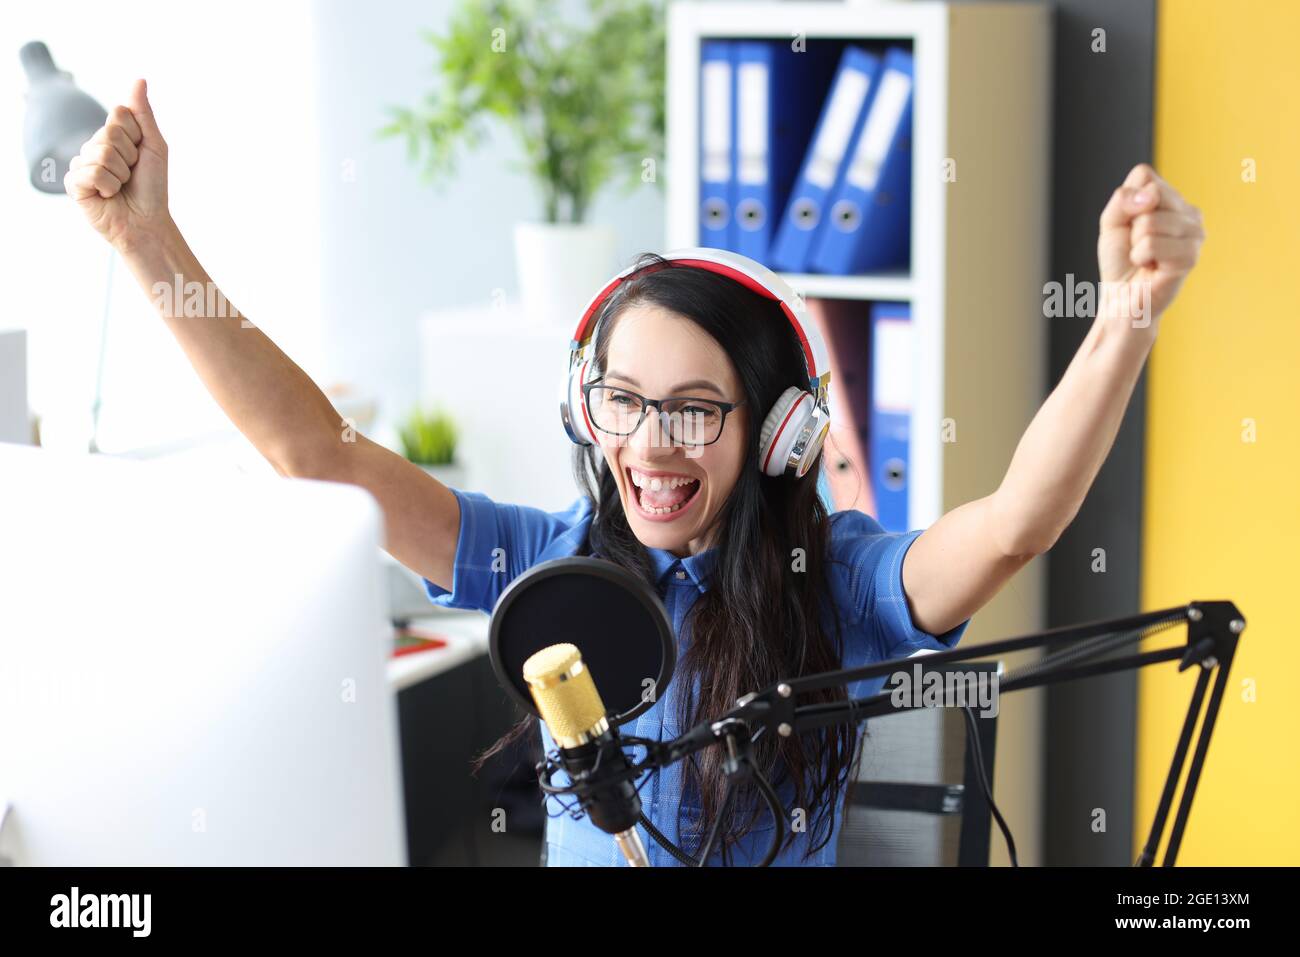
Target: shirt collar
(699, 566)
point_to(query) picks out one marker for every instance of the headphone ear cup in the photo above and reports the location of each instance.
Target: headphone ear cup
(821, 428)
(573, 411)
(782, 427)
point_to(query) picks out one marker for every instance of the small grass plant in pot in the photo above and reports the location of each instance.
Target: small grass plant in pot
(428, 439)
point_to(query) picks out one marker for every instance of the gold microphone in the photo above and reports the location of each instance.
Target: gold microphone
(568, 702)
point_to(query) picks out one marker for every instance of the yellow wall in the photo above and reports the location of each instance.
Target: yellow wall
(1222, 515)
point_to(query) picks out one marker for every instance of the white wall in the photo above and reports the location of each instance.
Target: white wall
(394, 247)
(232, 87)
(322, 233)
(512, 446)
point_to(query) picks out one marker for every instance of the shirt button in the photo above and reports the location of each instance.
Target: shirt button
(681, 574)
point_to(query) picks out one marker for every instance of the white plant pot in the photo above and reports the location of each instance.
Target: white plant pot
(560, 267)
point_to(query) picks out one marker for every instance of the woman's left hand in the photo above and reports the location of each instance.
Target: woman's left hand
(1149, 241)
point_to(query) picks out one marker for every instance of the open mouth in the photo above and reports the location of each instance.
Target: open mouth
(673, 496)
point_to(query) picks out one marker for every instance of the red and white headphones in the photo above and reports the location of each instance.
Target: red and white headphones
(795, 428)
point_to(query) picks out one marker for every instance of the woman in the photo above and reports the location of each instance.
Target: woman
(760, 582)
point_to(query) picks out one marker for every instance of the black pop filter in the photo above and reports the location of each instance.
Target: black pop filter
(617, 622)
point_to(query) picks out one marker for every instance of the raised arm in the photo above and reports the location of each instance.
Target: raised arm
(1149, 240)
(120, 182)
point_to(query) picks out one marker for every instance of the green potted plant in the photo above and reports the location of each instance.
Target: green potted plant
(584, 97)
(428, 439)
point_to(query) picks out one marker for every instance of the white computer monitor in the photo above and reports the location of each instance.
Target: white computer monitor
(192, 670)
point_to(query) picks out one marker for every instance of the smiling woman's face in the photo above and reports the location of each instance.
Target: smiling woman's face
(661, 354)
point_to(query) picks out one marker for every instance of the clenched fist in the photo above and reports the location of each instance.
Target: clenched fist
(1150, 239)
(120, 177)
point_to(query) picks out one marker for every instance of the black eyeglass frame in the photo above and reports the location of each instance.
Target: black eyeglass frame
(646, 403)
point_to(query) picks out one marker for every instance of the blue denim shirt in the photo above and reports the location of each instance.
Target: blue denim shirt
(866, 592)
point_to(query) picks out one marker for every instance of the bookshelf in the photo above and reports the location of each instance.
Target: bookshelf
(982, 92)
(979, 258)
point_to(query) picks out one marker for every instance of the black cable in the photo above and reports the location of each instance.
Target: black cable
(778, 821)
(717, 823)
(1079, 652)
(773, 805)
(977, 755)
(681, 856)
(575, 809)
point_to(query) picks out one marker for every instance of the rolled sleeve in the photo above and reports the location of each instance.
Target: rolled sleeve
(873, 563)
(473, 565)
(496, 543)
(898, 634)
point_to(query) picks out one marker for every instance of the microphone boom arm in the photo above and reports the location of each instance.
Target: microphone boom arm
(1213, 630)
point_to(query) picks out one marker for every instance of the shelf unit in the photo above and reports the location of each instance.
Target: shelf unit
(896, 287)
(978, 263)
(982, 93)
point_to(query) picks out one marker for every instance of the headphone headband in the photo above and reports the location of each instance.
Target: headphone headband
(750, 274)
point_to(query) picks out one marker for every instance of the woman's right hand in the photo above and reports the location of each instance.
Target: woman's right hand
(120, 178)
(120, 182)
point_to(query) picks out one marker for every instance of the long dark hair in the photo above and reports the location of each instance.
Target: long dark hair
(761, 619)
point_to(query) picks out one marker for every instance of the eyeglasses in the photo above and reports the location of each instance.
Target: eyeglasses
(686, 420)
